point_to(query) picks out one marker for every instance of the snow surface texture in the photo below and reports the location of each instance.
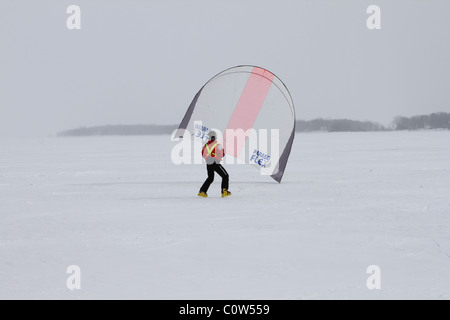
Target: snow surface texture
(131, 220)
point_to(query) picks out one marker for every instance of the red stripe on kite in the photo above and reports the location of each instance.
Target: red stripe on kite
(249, 105)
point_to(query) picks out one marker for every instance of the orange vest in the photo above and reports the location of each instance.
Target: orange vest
(209, 149)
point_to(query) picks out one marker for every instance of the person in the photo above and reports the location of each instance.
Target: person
(213, 153)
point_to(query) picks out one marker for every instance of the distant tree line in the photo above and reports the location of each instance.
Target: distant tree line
(301, 126)
(120, 130)
(440, 120)
(339, 125)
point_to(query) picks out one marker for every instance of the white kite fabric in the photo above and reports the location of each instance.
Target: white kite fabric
(249, 100)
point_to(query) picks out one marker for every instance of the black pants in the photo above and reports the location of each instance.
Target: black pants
(215, 167)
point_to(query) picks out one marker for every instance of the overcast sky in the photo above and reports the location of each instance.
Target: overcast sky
(136, 61)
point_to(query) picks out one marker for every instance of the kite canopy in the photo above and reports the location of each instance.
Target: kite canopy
(248, 99)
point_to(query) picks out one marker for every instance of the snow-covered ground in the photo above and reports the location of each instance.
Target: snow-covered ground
(131, 220)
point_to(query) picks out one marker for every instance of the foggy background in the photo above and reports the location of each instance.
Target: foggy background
(142, 62)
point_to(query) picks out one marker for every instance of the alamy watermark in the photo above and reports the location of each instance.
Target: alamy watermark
(374, 20)
(374, 280)
(74, 280)
(73, 22)
(258, 147)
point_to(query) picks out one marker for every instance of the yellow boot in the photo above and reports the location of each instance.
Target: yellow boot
(202, 194)
(225, 193)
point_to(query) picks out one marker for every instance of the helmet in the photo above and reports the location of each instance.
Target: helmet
(212, 135)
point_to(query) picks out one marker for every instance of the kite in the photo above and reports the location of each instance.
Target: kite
(246, 104)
